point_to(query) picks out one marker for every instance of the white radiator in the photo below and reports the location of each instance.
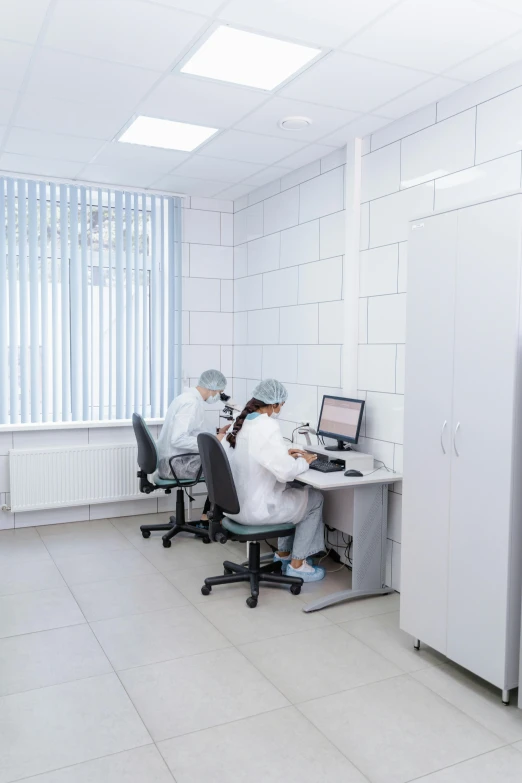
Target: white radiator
(72, 476)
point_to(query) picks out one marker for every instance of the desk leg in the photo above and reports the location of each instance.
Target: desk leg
(369, 548)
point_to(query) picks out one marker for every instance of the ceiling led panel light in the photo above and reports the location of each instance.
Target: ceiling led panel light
(153, 132)
(252, 60)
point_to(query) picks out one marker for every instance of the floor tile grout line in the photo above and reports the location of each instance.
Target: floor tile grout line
(458, 764)
(87, 761)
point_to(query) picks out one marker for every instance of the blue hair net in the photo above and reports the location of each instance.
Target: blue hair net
(212, 380)
(270, 391)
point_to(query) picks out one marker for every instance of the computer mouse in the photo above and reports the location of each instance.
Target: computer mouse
(352, 473)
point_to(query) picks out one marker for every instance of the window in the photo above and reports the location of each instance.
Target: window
(90, 302)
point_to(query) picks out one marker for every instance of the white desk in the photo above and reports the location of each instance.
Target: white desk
(365, 500)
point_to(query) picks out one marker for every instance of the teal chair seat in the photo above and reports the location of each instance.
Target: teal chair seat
(171, 483)
(249, 532)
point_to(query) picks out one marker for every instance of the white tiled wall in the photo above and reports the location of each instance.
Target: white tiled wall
(288, 286)
(208, 287)
(461, 149)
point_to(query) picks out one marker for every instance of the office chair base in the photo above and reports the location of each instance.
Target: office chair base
(254, 573)
(172, 529)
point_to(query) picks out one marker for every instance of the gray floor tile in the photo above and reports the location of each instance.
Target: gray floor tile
(280, 747)
(185, 552)
(142, 765)
(74, 544)
(382, 633)
(476, 698)
(315, 663)
(24, 576)
(157, 636)
(500, 766)
(100, 566)
(37, 660)
(189, 694)
(22, 544)
(126, 596)
(49, 728)
(354, 610)
(397, 730)
(38, 611)
(277, 613)
(87, 527)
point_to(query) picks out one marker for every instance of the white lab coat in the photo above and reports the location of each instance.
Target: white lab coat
(261, 466)
(184, 420)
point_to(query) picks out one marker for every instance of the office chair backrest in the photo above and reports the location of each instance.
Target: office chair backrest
(218, 476)
(147, 454)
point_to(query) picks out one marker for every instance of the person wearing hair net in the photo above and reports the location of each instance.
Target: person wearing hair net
(261, 465)
(184, 421)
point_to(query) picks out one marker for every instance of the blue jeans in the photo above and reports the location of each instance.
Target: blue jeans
(308, 537)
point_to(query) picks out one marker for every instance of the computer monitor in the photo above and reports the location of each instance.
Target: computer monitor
(341, 419)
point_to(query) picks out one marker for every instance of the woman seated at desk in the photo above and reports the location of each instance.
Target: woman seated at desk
(262, 465)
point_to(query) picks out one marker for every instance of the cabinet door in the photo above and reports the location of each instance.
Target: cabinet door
(485, 358)
(428, 395)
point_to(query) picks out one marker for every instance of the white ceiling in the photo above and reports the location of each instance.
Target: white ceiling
(73, 73)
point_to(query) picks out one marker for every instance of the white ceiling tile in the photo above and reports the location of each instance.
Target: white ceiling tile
(189, 186)
(323, 22)
(434, 36)
(203, 167)
(14, 59)
(306, 155)
(7, 101)
(124, 31)
(77, 119)
(121, 153)
(238, 145)
(266, 119)
(205, 7)
(421, 96)
(70, 77)
(267, 175)
(22, 20)
(236, 191)
(3, 129)
(499, 56)
(352, 82)
(123, 174)
(41, 144)
(25, 164)
(200, 101)
(360, 127)
(510, 5)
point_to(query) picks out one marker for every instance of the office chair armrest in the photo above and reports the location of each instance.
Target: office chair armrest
(187, 454)
(216, 531)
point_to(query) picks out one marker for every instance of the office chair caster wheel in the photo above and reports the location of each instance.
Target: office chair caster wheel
(251, 602)
(205, 590)
(206, 540)
(145, 533)
(295, 589)
(167, 543)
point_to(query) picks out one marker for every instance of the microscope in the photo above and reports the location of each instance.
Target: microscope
(229, 408)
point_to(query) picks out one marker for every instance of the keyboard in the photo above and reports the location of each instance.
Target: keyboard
(323, 466)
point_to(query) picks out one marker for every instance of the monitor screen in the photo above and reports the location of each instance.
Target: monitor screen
(341, 418)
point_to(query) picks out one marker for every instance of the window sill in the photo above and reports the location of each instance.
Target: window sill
(72, 425)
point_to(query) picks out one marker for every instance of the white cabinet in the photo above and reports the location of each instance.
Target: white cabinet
(462, 510)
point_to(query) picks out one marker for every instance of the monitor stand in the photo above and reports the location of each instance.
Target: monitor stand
(341, 446)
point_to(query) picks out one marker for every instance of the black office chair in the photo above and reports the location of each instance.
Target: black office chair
(223, 500)
(148, 462)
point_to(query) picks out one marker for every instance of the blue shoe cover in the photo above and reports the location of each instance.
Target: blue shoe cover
(308, 574)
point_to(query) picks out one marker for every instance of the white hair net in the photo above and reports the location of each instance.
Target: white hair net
(212, 380)
(270, 391)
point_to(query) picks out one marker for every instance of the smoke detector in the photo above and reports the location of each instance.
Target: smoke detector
(294, 123)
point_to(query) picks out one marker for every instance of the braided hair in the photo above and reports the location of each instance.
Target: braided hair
(252, 406)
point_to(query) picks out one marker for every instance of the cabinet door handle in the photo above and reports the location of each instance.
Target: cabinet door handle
(457, 428)
(442, 437)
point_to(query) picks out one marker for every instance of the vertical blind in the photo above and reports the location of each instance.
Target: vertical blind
(90, 302)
